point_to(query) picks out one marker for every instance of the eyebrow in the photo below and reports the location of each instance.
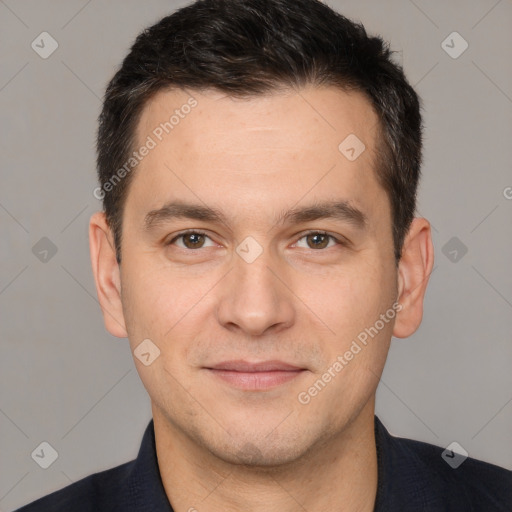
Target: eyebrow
(337, 210)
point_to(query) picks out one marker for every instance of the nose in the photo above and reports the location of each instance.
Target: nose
(255, 297)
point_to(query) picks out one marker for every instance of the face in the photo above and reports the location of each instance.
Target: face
(260, 274)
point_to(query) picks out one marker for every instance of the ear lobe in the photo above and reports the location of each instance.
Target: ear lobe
(106, 274)
(414, 270)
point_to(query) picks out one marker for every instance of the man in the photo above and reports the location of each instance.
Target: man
(258, 165)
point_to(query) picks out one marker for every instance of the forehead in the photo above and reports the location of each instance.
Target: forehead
(264, 150)
(323, 116)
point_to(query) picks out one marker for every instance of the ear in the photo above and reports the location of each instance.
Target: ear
(414, 269)
(106, 274)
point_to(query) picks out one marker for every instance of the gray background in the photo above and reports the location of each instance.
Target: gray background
(66, 381)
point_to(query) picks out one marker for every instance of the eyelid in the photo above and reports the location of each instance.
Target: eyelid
(339, 239)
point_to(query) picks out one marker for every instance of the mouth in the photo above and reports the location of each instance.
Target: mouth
(255, 376)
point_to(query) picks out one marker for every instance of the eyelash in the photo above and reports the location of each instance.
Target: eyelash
(199, 232)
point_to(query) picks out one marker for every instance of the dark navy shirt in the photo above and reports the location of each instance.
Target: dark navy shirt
(412, 476)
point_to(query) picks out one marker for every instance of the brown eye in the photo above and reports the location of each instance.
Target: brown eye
(190, 240)
(193, 240)
(317, 240)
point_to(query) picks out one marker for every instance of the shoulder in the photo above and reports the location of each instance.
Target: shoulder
(462, 482)
(86, 495)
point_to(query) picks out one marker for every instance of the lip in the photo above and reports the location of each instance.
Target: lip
(244, 366)
(255, 376)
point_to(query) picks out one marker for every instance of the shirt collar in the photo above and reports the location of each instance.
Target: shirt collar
(145, 488)
(405, 480)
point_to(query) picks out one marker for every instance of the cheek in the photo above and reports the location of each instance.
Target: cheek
(147, 300)
(348, 300)
(159, 302)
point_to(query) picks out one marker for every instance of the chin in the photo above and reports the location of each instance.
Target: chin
(251, 455)
(260, 452)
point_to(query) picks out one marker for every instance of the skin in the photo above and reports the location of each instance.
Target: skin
(221, 448)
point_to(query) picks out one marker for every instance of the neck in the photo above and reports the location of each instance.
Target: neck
(340, 473)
